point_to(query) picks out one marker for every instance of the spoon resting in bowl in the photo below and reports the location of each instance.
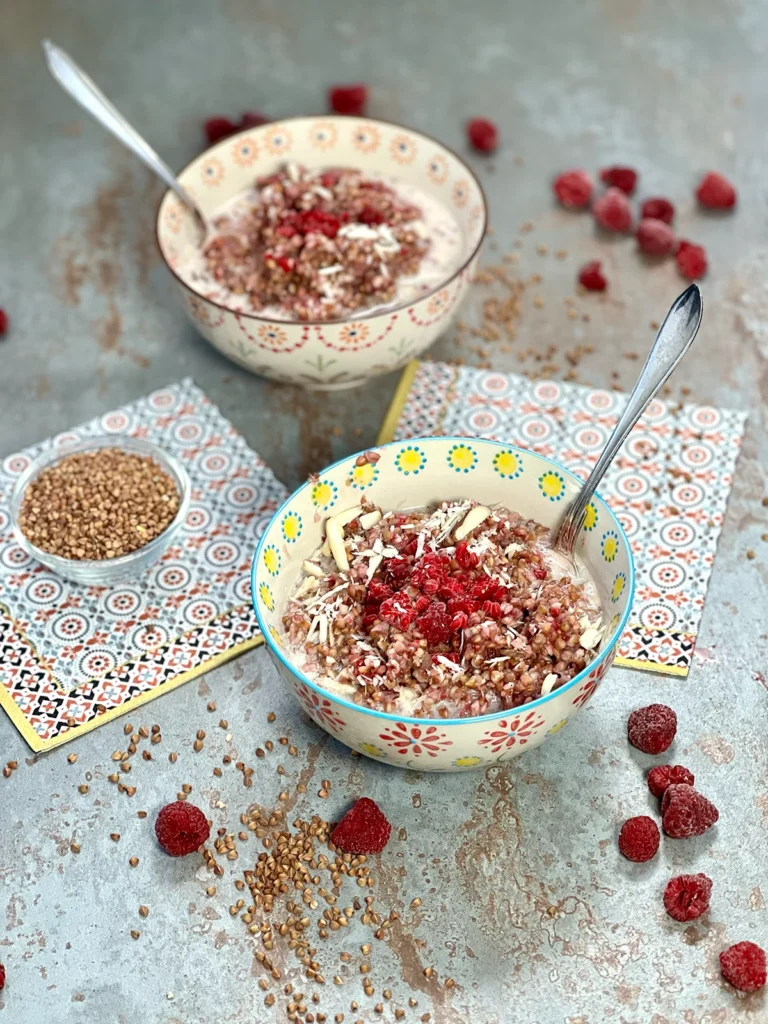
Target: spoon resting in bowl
(81, 88)
(675, 337)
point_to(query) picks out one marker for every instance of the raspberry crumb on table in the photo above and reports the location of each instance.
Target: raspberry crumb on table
(691, 260)
(744, 966)
(639, 838)
(592, 278)
(2, 977)
(4, 322)
(658, 208)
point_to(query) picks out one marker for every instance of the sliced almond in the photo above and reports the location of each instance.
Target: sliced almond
(549, 682)
(471, 521)
(323, 628)
(311, 569)
(370, 519)
(335, 534)
(373, 565)
(342, 518)
(590, 638)
(307, 586)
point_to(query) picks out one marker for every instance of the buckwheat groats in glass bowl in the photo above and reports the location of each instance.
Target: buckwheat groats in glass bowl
(409, 598)
(342, 247)
(101, 510)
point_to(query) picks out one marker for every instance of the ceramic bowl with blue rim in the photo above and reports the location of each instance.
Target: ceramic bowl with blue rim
(414, 474)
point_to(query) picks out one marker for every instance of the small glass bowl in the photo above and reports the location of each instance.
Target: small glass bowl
(107, 571)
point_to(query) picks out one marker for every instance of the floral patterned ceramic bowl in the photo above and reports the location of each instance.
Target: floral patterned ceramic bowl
(342, 353)
(413, 474)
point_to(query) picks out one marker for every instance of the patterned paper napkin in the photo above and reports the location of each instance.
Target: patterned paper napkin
(669, 486)
(74, 657)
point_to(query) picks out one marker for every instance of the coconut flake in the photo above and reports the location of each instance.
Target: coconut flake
(548, 684)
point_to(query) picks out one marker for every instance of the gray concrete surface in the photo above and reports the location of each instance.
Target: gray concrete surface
(526, 903)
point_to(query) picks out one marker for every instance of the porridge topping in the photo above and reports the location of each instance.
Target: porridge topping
(320, 244)
(450, 612)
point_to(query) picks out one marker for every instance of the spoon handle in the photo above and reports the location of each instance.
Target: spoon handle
(675, 337)
(81, 88)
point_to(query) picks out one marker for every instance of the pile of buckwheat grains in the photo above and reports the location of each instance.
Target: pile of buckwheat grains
(98, 505)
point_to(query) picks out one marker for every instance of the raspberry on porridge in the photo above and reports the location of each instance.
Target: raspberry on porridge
(449, 612)
(320, 244)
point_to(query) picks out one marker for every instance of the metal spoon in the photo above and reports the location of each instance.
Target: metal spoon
(674, 339)
(80, 87)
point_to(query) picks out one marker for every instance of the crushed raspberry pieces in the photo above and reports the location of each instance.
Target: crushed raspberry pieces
(612, 211)
(435, 623)
(623, 178)
(370, 215)
(664, 775)
(378, 591)
(639, 838)
(716, 192)
(483, 134)
(181, 828)
(686, 813)
(658, 209)
(691, 260)
(397, 610)
(467, 559)
(363, 829)
(743, 965)
(4, 322)
(573, 189)
(654, 237)
(592, 278)
(348, 99)
(652, 729)
(2, 977)
(686, 897)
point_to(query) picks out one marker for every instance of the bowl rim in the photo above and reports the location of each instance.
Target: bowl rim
(356, 316)
(411, 720)
(59, 564)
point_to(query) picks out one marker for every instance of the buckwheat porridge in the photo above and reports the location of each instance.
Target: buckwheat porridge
(448, 612)
(321, 244)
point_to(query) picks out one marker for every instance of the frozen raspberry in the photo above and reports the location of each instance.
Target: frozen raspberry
(685, 812)
(743, 965)
(592, 278)
(620, 177)
(573, 189)
(686, 897)
(218, 128)
(612, 211)
(654, 237)
(652, 729)
(363, 829)
(4, 322)
(492, 609)
(252, 119)
(483, 134)
(716, 192)
(396, 570)
(435, 624)
(691, 260)
(378, 591)
(658, 209)
(397, 610)
(181, 828)
(348, 99)
(2, 977)
(664, 775)
(639, 838)
(459, 621)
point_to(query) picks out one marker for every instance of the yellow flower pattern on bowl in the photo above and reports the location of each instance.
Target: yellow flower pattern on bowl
(462, 458)
(552, 485)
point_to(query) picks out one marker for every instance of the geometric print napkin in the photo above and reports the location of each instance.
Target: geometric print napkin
(669, 484)
(73, 657)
